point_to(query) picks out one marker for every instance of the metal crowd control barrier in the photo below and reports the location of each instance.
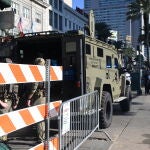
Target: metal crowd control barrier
(20, 73)
(79, 118)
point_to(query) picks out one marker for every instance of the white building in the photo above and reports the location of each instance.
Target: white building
(74, 20)
(63, 18)
(31, 15)
(45, 15)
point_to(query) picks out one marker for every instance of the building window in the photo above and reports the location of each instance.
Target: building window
(56, 4)
(15, 7)
(38, 18)
(99, 52)
(88, 49)
(26, 13)
(60, 22)
(77, 27)
(56, 20)
(60, 5)
(69, 24)
(108, 62)
(73, 26)
(66, 22)
(50, 18)
(115, 62)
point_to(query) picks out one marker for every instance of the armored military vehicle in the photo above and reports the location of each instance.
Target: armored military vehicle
(88, 65)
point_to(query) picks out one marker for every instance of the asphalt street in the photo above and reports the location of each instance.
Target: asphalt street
(129, 131)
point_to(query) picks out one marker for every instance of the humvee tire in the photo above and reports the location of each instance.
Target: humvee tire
(125, 105)
(105, 115)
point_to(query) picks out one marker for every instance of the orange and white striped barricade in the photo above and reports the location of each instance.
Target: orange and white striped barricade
(54, 145)
(21, 73)
(16, 120)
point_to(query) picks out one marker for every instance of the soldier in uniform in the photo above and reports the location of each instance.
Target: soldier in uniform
(36, 96)
(147, 81)
(8, 98)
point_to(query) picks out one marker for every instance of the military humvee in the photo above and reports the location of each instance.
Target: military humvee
(88, 65)
(105, 74)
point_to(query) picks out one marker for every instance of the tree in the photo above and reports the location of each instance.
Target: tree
(102, 31)
(136, 9)
(141, 37)
(128, 54)
(119, 44)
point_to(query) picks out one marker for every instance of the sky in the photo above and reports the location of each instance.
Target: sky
(78, 3)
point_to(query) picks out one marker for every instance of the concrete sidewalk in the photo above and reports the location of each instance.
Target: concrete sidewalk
(98, 141)
(136, 133)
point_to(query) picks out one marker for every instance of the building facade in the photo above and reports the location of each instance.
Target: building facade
(30, 16)
(74, 19)
(45, 15)
(63, 18)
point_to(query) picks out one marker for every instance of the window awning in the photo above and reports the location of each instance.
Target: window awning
(5, 4)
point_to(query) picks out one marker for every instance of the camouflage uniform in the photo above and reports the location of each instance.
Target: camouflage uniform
(36, 96)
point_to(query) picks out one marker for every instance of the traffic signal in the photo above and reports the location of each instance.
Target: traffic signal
(5, 4)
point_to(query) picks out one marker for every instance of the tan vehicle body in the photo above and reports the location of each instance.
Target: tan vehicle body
(104, 73)
(88, 65)
(98, 75)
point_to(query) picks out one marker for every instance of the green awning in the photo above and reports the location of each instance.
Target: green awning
(5, 4)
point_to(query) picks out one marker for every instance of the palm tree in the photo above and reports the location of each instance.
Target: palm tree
(141, 37)
(102, 31)
(136, 9)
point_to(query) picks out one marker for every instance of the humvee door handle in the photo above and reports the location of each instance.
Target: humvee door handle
(107, 75)
(116, 76)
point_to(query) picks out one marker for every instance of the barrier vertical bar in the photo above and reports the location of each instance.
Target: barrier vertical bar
(47, 120)
(60, 127)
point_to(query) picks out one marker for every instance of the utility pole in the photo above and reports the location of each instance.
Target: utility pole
(139, 91)
(140, 72)
(147, 43)
(146, 32)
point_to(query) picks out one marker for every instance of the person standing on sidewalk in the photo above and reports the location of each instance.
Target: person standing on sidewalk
(147, 81)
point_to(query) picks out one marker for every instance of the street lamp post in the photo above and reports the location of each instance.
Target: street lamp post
(140, 72)
(147, 48)
(139, 91)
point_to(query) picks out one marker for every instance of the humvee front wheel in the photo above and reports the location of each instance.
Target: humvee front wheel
(105, 115)
(125, 105)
